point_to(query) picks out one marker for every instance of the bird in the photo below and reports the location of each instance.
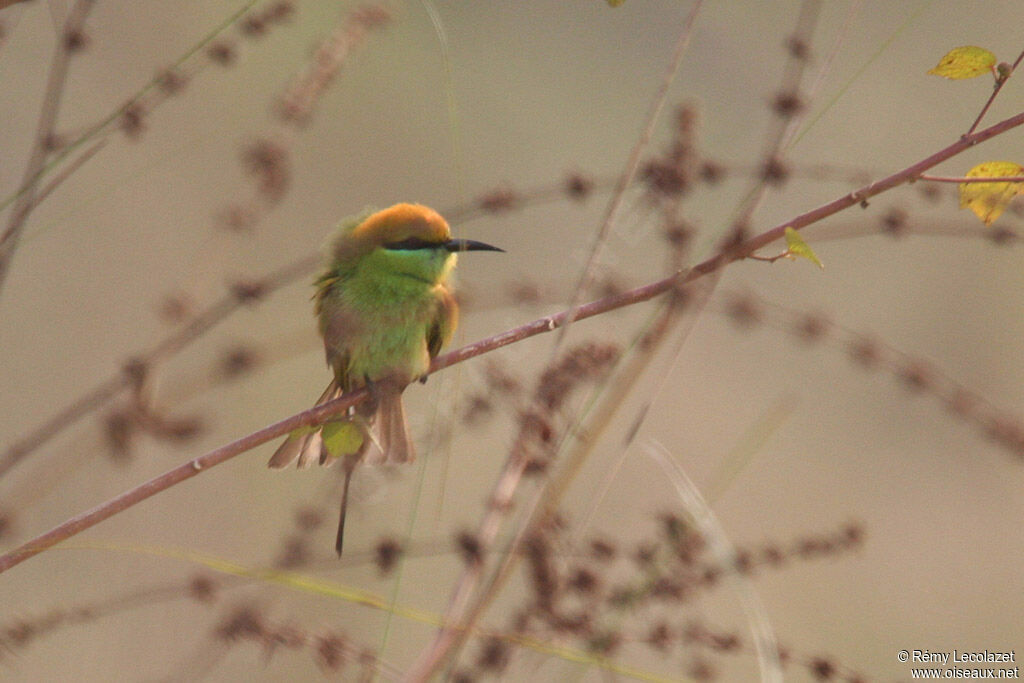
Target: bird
(385, 307)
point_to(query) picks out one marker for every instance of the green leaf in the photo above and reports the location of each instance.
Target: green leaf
(796, 247)
(987, 200)
(965, 62)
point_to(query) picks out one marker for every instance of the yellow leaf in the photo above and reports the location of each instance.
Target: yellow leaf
(796, 246)
(615, 3)
(343, 437)
(987, 200)
(965, 62)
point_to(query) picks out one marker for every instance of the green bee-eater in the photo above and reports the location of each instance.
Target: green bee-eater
(385, 308)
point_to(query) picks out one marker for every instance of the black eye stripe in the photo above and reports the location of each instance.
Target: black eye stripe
(411, 243)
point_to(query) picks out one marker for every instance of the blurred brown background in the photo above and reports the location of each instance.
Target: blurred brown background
(540, 89)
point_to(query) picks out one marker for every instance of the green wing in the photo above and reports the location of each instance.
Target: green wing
(443, 327)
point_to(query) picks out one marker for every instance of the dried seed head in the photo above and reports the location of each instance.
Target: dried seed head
(583, 580)
(75, 41)
(660, 637)
(135, 370)
(243, 623)
(623, 597)
(253, 25)
(686, 119)
(917, 376)
(493, 655)
(1006, 431)
(330, 651)
(178, 429)
(280, 11)
(176, 307)
(524, 293)
(797, 48)
(171, 82)
(668, 588)
(119, 428)
(822, 669)
(1001, 236)
(743, 311)
(54, 141)
(711, 172)
(543, 574)
(267, 161)
(478, 408)
(674, 527)
(202, 588)
(775, 172)
(238, 360)
(578, 186)
(894, 222)
(865, 352)
(371, 16)
(582, 363)
(248, 291)
(386, 555)
(237, 217)
(132, 120)
(469, 547)
(294, 553)
(743, 562)
(501, 381)
(811, 327)
(287, 636)
(665, 177)
(701, 670)
(853, 534)
(605, 643)
(221, 52)
(962, 403)
(679, 235)
(787, 104)
(772, 556)
(930, 192)
(308, 518)
(602, 550)
(499, 200)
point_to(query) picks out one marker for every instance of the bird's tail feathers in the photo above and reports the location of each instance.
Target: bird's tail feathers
(339, 539)
(395, 441)
(304, 446)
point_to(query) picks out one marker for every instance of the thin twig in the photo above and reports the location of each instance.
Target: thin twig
(67, 45)
(960, 180)
(1000, 82)
(67, 172)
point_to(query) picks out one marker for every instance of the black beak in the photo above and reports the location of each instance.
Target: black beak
(468, 245)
